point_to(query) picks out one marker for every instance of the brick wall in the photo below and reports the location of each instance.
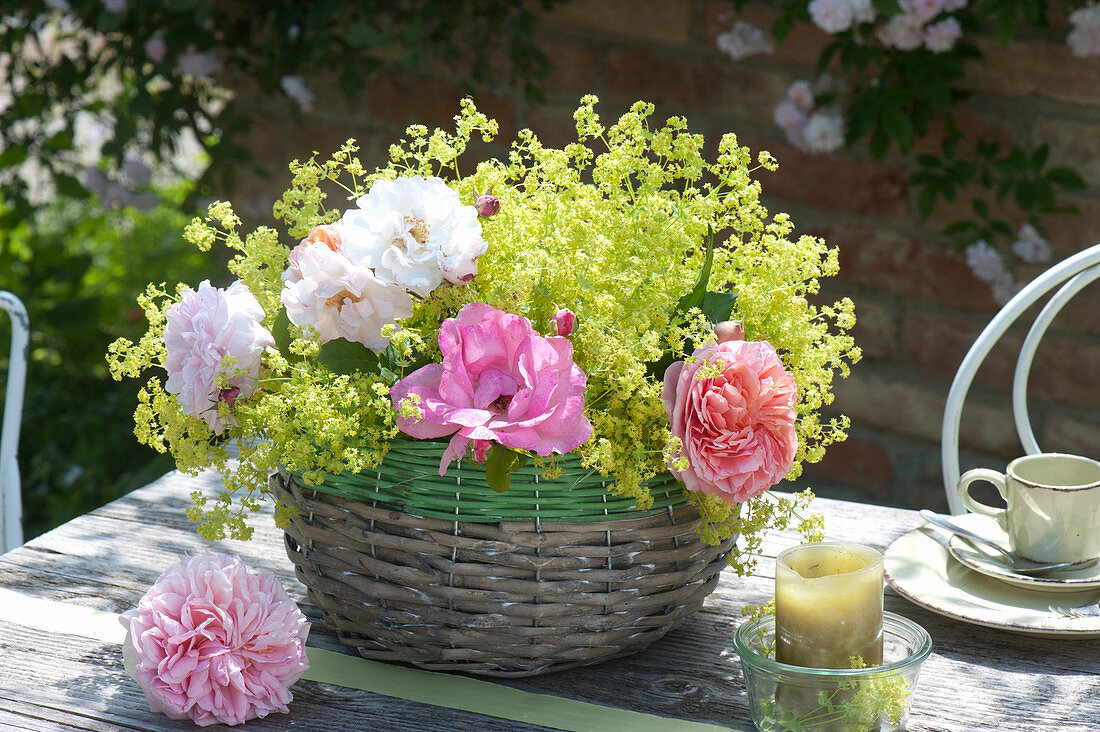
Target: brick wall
(919, 307)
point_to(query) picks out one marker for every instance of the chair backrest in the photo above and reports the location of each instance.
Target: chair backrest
(1080, 269)
(11, 502)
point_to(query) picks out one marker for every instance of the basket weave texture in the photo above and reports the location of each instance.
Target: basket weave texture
(491, 594)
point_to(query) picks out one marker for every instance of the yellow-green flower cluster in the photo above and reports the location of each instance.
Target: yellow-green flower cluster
(613, 227)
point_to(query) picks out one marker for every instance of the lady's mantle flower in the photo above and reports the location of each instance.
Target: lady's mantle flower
(744, 40)
(212, 333)
(212, 642)
(733, 409)
(414, 232)
(324, 290)
(500, 381)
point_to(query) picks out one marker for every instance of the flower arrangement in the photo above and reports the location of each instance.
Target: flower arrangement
(562, 301)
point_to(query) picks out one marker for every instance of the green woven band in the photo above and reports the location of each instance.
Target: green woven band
(408, 480)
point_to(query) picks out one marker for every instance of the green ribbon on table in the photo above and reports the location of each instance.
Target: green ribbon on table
(353, 672)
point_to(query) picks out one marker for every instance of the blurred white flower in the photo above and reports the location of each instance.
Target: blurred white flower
(414, 232)
(832, 16)
(199, 65)
(940, 37)
(743, 40)
(1030, 246)
(985, 262)
(792, 120)
(904, 32)
(295, 88)
(801, 93)
(1004, 288)
(115, 6)
(156, 49)
(137, 172)
(824, 132)
(923, 10)
(863, 11)
(1084, 38)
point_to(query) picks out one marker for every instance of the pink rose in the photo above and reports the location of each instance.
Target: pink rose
(737, 428)
(563, 322)
(212, 642)
(500, 381)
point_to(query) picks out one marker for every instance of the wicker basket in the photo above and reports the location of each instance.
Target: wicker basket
(446, 574)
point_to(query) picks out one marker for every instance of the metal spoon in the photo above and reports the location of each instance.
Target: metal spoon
(1015, 563)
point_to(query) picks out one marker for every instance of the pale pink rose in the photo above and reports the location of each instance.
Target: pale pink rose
(737, 428)
(500, 381)
(563, 322)
(743, 40)
(923, 10)
(322, 289)
(295, 88)
(214, 643)
(204, 328)
(831, 16)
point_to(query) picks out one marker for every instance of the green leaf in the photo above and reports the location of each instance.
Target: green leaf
(69, 186)
(961, 226)
(926, 201)
(981, 208)
(500, 463)
(1001, 227)
(280, 331)
(930, 161)
(1039, 157)
(782, 28)
(1005, 26)
(1067, 178)
(898, 125)
(718, 306)
(1025, 195)
(13, 155)
(63, 140)
(694, 299)
(345, 357)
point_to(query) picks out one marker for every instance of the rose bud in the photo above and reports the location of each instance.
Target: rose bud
(563, 322)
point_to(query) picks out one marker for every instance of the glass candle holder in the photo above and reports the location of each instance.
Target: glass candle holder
(787, 697)
(828, 605)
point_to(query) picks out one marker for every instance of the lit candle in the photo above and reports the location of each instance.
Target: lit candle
(828, 605)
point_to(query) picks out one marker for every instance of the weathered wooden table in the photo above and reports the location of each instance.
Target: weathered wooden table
(976, 678)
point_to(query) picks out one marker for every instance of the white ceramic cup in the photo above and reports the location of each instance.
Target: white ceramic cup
(1053, 512)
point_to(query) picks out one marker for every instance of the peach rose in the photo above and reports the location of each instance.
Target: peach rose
(737, 427)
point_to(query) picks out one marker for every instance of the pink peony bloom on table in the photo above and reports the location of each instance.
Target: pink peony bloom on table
(215, 643)
(500, 381)
(737, 428)
(203, 329)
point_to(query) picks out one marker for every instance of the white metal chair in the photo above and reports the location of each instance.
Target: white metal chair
(11, 503)
(1080, 269)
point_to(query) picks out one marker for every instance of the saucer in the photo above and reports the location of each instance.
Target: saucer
(920, 567)
(987, 561)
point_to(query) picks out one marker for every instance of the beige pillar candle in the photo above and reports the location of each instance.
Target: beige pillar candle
(828, 605)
